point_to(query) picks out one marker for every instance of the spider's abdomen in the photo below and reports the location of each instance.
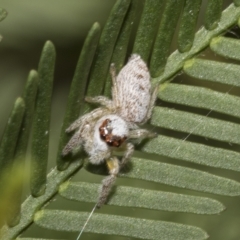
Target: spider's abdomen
(134, 90)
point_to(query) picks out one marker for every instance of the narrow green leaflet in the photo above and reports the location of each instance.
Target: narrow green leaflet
(196, 124)
(10, 184)
(105, 48)
(117, 225)
(142, 198)
(161, 48)
(227, 47)
(186, 151)
(213, 71)
(188, 24)
(213, 13)
(200, 97)
(147, 28)
(182, 177)
(10, 136)
(29, 96)
(41, 121)
(121, 46)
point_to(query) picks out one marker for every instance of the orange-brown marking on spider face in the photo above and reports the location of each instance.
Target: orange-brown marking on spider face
(106, 135)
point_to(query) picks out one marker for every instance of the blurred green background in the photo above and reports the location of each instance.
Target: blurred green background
(28, 25)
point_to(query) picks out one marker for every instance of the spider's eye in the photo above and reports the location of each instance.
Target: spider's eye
(106, 135)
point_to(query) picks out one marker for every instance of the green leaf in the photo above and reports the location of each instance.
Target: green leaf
(178, 176)
(227, 47)
(142, 198)
(29, 96)
(185, 150)
(213, 13)
(182, 177)
(213, 71)
(121, 46)
(147, 28)
(8, 172)
(42, 120)
(183, 121)
(188, 25)
(106, 45)
(201, 98)
(10, 136)
(161, 48)
(117, 225)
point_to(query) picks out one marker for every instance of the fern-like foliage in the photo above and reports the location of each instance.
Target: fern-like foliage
(182, 117)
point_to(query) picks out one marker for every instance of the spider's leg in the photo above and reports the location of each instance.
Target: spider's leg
(104, 101)
(108, 182)
(114, 86)
(128, 154)
(151, 105)
(141, 133)
(98, 112)
(74, 142)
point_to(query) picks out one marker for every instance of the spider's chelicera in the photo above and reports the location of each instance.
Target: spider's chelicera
(117, 122)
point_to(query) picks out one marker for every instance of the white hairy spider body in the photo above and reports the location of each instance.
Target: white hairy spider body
(111, 126)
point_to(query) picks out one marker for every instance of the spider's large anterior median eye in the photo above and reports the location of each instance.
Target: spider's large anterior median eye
(106, 135)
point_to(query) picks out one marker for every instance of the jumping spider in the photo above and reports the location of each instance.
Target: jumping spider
(112, 125)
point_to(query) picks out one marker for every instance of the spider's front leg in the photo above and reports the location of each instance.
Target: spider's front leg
(77, 139)
(104, 101)
(108, 182)
(98, 112)
(73, 143)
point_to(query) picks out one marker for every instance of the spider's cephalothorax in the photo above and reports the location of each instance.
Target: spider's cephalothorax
(117, 121)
